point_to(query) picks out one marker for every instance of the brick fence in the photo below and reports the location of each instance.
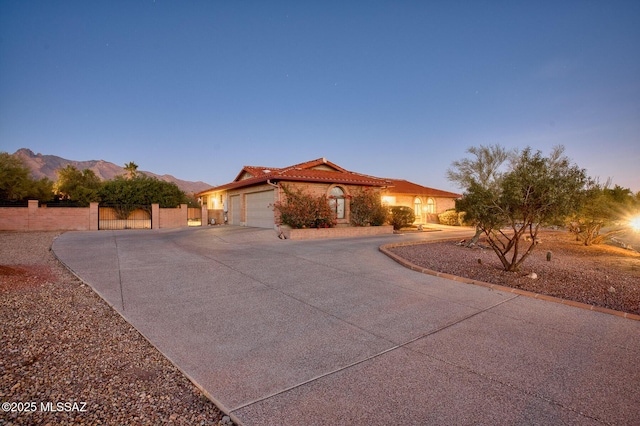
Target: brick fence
(35, 218)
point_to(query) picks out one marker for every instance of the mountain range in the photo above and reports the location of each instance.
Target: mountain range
(47, 165)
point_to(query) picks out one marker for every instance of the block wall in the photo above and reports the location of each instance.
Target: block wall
(171, 218)
(340, 232)
(35, 218)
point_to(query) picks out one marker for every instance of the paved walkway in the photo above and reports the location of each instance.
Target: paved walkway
(334, 332)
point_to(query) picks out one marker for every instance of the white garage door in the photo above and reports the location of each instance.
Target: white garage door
(260, 209)
(234, 207)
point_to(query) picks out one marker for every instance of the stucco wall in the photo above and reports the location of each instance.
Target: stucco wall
(173, 218)
(34, 218)
(217, 215)
(441, 204)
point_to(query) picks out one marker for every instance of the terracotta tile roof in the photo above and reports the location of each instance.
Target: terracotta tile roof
(322, 170)
(318, 170)
(401, 186)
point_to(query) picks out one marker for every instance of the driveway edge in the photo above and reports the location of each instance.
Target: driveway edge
(202, 390)
(385, 249)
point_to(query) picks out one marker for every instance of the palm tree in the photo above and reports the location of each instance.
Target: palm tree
(132, 169)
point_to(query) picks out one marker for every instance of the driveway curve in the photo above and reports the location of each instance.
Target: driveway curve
(334, 332)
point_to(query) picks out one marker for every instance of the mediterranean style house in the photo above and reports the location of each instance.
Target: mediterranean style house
(248, 200)
(426, 202)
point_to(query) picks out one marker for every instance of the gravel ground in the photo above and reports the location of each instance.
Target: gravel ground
(597, 275)
(63, 348)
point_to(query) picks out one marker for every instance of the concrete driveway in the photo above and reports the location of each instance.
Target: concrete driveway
(334, 332)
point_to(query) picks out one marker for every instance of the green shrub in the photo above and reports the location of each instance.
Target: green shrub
(462, 221)
(449, 217)
(303, 210)
(140, 190)
(401, 217)
(367, 209)
(380, 215)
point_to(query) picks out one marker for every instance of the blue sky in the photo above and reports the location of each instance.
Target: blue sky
(399, 89)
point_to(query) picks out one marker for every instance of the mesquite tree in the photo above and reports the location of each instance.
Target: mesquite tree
(483, 169)
(533, 191)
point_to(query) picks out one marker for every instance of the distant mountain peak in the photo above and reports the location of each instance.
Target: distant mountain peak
(47, 166)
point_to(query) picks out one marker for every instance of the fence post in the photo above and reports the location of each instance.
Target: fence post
(155, 216)
(204, 215)
(93, 216)
(32, 215)
(184, 211)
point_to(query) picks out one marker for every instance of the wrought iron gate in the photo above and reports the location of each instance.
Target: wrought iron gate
(124, 217)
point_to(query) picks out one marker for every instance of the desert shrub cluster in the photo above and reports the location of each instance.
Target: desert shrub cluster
(367, 209)
(303, 210)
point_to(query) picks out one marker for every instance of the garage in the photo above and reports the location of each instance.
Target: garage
(234, 213)
(260, 209)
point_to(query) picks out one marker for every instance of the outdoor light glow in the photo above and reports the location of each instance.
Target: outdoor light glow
(387, 199)
(635, 223)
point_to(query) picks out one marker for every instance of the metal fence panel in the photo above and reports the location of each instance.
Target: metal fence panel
(124, 217)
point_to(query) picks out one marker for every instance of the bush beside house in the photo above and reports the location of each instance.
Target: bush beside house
(303, 210)
(450, 217)
(401, 217)
(367, 209)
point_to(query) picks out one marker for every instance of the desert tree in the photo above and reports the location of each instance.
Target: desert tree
(79, 186)
(17, 184)
(483, 170)
(534, 190)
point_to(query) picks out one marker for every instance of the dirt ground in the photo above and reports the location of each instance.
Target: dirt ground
(600, 275)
